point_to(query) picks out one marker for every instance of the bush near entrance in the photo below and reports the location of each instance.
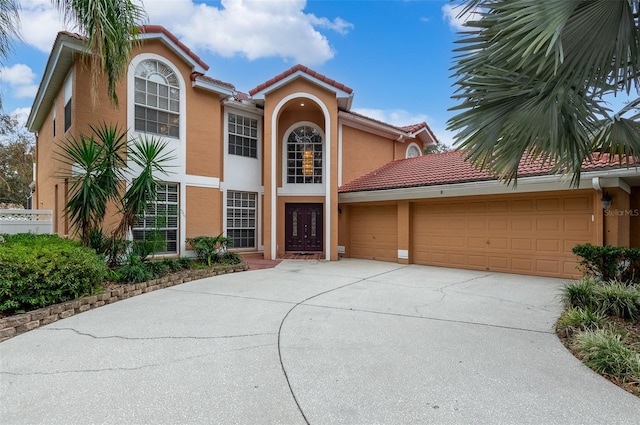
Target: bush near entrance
(601, 320)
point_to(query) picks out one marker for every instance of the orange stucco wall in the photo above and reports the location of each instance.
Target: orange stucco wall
(634, 219)
(617, 219)
(287, 115)
(363, 152)
(204, 216)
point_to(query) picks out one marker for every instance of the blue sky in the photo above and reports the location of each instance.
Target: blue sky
(396, 55)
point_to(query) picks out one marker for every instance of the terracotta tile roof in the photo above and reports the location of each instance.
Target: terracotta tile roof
(307, 71)
(159, 29)
(414, 127)
(241, 97)
(444, 168)
(200, 76)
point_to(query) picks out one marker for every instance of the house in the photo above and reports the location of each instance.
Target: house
(288, 167)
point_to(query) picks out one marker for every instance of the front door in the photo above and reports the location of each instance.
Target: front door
(303, 227)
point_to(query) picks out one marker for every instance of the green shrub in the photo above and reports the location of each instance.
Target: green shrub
(230, 258)
(611, 298)
(209, 249)
(135, 271)
(40, 270)
(580, 294)
(606, 352)
(173, 264)
(607, 263)
(185, 262)
(158, 268)
(617, 299)
(574, 320)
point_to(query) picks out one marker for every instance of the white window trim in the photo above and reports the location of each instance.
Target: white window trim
(302, 189)
(256, 240)
(412, 145)
(179, 245)
(229, 110)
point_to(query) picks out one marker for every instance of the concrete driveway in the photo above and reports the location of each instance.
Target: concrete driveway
(349, 342)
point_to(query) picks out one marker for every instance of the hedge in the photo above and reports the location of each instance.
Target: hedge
(40, 270)
(608, 263)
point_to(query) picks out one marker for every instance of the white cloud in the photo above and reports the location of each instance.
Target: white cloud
(252, 28)
(397, 117)
(40, 23)
(457, 21)
(21, 79)
(21, 115)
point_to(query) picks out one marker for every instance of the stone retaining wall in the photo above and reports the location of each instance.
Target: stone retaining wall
(20, 323)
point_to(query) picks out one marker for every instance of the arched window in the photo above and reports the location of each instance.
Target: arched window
(157, 99)
(304, 155)
(413, 151)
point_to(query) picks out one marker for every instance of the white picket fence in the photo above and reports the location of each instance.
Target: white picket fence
(26, 221)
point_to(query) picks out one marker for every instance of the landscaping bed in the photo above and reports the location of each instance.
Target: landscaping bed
(601, 321)
(12, 325)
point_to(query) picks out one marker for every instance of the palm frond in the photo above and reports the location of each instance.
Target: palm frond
(530, 78)
(9, 26)
(111, 27)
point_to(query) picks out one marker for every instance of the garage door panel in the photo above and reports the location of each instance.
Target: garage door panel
(548, 246)
(550, 204)
(530, 234)
(522, 265)
(373, 233)
(548, 224)
(518, 244)
(581, 203)
(577, 224)
(522, 223)
(522, 205)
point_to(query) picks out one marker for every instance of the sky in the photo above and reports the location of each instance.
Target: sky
(396, 55)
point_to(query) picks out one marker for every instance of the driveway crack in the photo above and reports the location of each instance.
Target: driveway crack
(154, 338)
(284, 370)
(126, 369)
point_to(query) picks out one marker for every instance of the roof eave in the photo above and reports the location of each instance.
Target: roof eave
(345, 99)
(195, 65)
(373, 126)
(539, 183)
(56, 70)
(222, 90)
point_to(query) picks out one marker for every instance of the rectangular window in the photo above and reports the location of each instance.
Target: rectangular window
(243, 136)
(157, 108)
(241, 219)
(160, 220)
(53, 118)
(68, 87)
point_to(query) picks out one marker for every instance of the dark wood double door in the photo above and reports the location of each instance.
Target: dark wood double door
(303, 227)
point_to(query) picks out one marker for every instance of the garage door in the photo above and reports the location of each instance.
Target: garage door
(527, 234)
(373, 232)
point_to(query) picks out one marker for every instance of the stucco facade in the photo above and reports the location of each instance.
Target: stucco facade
(252, 166)
(288, 167)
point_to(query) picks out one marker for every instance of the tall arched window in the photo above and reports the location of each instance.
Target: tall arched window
(157, 99)
(304, 155)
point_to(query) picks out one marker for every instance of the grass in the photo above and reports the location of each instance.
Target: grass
(600, 326)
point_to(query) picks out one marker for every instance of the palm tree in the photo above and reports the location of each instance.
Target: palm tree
(533, 78)
(109, 25)
(96, 176)
(98, 165)
(151, 157)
